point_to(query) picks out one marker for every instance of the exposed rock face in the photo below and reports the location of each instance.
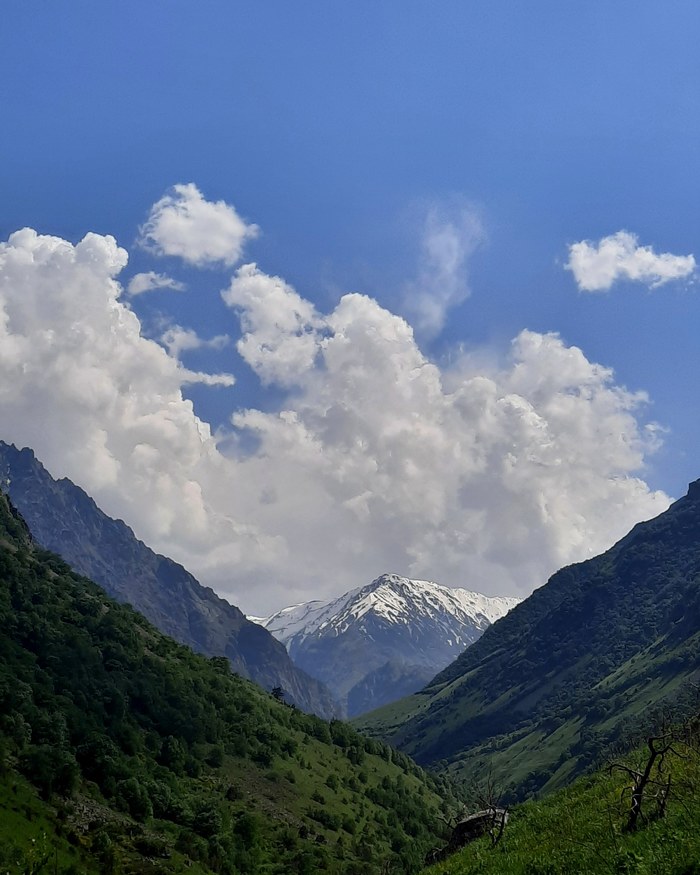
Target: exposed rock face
(694, 490)
(65, 520)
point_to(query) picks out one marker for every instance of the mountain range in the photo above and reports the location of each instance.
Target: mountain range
(64, 519)
(144, 749)
(385, 640)
(571, 671)
(576, 668)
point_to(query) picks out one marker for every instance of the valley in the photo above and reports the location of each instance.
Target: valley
(120, 744)
(349, 511)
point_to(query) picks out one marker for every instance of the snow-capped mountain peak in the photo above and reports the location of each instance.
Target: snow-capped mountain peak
(395, 599)
(400, 599)
(393, 620)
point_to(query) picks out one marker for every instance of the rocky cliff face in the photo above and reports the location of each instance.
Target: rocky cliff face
(65, 520)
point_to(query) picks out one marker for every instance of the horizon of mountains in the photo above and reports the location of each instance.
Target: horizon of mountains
(64, 519)
(121, 750)
(95, 702)
(346, 656)
(580, 666)
(379, 642)
(537, 698)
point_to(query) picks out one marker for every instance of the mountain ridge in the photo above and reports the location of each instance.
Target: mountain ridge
(63, 518)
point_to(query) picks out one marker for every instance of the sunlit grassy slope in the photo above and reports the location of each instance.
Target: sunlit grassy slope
(581, 830)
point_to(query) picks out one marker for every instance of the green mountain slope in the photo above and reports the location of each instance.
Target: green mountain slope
(65, 520)
(123, 751)
(582, 830)
(556, 681)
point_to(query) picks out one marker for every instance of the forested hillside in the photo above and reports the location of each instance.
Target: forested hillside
(123, 751)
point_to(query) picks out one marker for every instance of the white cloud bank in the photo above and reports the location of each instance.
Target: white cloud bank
(199, 231)
(620, 257)
(280, 328)
(377, 460)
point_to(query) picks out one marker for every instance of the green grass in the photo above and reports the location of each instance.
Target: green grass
(581, 831)
(30, 833)
(554, 755)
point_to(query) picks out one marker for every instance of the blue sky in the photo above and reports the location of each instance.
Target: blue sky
(346, 133)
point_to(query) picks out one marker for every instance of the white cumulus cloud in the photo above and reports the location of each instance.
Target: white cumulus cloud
(99, 402)
(280, 328)
(150, 280)
(199, 231)
(375, 459)
(596, 266)
(462, 475)
(205, 379)
(177, 340)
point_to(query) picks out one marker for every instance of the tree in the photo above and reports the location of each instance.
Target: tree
(133, 796)
(50, 769)
(650, 784)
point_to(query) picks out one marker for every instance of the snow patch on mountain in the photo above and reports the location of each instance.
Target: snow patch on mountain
(397, 600)
(384, 640)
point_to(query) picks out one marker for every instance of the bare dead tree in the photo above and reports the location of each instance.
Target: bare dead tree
(488, 796)
(651, 784)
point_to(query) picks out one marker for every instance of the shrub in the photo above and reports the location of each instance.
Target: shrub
(133, 797)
